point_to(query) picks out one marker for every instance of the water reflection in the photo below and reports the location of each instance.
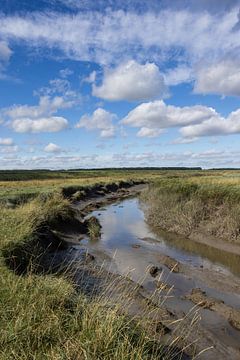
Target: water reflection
(123, 226)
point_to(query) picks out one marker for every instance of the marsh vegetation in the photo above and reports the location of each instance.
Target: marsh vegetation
(42, 314)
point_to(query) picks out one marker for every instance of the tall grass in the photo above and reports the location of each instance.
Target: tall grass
(209, 204)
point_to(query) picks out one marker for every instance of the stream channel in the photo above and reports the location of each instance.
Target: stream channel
(129, 247)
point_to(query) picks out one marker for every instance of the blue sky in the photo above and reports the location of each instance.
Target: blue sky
(119, 83)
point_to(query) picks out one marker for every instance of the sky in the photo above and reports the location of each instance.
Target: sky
(129, 83)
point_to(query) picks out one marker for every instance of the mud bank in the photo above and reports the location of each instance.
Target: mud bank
(43, 250)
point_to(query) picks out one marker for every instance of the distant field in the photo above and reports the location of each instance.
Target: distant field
(28, 184)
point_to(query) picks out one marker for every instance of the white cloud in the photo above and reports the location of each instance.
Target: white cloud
(46, 107)
(9, 149)
(64, 73)
(113, 37)
(52, 148)
(5, 51)
(36, 119)
(100, 120)
(6, 141)
(178, 75)
(184, 140)
(91, 77)
(219, 78)
(131, 81)
(206, 158)
(158, 115)
(148, 132)
(214, 126)
(193, 121)
(48, 124)
(5, 54)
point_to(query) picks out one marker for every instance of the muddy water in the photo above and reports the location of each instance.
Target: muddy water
(127, 237)
(130, 247)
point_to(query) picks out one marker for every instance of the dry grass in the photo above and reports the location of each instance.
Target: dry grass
(209, 203)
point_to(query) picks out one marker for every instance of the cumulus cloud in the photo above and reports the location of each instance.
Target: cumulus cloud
(101, 120)
(214, 126)
(52, 148)
(49, 124)
(219, 78)
(46, 107)
(39, 118)
(193, 121)
(6, 141)
(131, 81)
(158, 115)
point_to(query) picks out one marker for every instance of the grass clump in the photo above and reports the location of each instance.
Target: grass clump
(43, 318)
(94, 228)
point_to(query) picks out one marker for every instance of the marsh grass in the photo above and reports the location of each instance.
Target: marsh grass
(94, 228)
(206, 204)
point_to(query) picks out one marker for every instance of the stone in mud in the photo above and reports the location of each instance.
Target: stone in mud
(171, 264)
(234, 319)
(89, 258)
(154, 271)
(200, 298)
(162, 285)
(136, 246)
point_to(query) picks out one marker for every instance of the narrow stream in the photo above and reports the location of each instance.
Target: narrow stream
(127, 237)
(130, 248)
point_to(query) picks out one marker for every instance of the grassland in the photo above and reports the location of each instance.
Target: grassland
(206, 203)
(42, 316)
